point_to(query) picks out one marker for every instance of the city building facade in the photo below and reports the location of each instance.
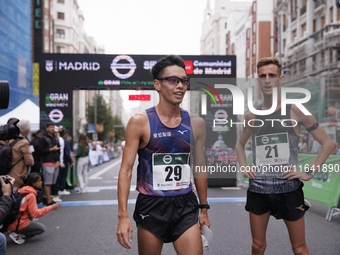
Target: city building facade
(244, 29)
(15, 51)
(309, 32)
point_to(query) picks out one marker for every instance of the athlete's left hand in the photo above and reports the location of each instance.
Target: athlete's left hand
(291, 172)
(203, 218)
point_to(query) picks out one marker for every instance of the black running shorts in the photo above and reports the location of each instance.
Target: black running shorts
(166, 217)
(289, 206)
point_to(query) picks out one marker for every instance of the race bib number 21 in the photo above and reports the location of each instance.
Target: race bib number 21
(272, 149)
(171, 171)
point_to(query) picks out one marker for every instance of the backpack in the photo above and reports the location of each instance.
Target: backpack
(6, 158)
(14, 211)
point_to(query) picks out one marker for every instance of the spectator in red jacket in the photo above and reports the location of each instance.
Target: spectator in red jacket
(23, 228)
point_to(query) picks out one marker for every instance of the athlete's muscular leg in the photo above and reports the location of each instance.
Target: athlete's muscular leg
(296, 230)
(148, 243)
(258, 227)
(190, 242)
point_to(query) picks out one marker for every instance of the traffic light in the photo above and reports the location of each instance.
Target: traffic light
(337, 2)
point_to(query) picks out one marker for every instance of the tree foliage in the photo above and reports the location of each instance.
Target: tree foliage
(120, 131)
(103, 116)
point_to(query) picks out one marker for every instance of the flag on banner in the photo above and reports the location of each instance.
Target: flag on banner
(112, 133)
(100, 127)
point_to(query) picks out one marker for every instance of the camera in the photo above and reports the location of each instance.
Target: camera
(9, 131)
(6, 180)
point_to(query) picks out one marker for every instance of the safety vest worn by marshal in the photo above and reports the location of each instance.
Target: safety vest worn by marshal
(164, 163)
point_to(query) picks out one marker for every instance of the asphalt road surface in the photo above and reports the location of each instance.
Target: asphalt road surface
(87, 223)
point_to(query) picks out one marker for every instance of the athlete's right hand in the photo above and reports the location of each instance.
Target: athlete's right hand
(249, 172)
(124, 228)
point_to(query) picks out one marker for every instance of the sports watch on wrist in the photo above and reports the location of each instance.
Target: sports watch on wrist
(310, 172)
(204, 206)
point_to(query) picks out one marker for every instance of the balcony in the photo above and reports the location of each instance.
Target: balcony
(320, 6)
(319, 3)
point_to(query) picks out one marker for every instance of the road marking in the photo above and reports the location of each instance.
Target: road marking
(114, 187)
(96, 176)
(133, 201)
(230, 188)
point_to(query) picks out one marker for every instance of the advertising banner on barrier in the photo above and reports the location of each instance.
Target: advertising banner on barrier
(325, 187)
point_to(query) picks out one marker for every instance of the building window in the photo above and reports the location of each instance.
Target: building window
(46, 43)
(330, 56)
(303, 66)
(304, 7)
(254, 49)
(294, 34)
(284, 44)
(248, 33)
(314, 25)
(60, 33)
(284, 23)
(61, 15)
(46, 22)
(226, 38)
(248, 53)
(314, 62)
(323, 21)
(60, 49)
(254, 7)
(226, 25)
(303, 29)
(61, 1)
(338, 16)
(254, 28)
(254, 70)
(331, 14)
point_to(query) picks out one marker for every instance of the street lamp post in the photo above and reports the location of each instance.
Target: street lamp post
(95, 138)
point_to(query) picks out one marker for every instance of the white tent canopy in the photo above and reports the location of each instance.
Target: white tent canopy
(26, 111)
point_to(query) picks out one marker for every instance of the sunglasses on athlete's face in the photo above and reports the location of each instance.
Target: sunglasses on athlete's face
(174, 80)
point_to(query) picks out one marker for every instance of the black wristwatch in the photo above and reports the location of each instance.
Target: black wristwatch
(204, 206)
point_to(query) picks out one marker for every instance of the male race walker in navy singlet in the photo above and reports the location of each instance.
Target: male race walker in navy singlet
(275, 187)
(167, 139)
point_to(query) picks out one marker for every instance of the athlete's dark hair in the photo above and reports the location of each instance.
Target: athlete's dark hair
(30, 179)
(269, 60)
(169, 60)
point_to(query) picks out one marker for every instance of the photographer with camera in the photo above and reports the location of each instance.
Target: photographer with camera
(5, 207)
(23, 228)
(22, 156)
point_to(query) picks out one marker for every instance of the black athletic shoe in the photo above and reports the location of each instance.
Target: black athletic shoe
(51, 203)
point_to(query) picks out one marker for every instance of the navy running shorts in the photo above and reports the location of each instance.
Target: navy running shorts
(166, 217)
(289, 206)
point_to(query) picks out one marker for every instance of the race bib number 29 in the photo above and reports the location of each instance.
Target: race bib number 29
(171, 171)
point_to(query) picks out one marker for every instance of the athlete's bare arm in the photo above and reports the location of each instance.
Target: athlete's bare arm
(240, 151)
(327, 145)
(136, 132)
(200, 178)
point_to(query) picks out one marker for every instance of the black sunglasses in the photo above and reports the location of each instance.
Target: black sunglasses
(174, 80)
